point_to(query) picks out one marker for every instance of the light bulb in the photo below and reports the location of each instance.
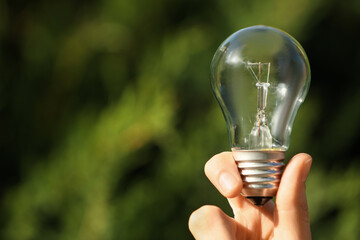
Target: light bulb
(260, 76)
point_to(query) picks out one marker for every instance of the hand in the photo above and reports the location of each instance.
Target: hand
(287, 218)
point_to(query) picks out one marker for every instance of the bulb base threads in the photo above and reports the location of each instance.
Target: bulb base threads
(261, 173)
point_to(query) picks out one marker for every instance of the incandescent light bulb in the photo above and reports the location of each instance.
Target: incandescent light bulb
(260, 76)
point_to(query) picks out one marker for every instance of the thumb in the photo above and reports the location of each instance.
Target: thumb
(291, 216)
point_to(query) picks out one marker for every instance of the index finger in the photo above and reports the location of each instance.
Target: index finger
(222, 171)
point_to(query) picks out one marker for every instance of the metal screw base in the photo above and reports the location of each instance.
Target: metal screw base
(261, 172)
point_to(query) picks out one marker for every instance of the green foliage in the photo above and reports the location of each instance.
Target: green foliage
(108, 116)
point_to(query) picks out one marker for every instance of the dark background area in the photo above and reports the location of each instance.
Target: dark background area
(107, 116)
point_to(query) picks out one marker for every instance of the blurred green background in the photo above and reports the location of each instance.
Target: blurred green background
(107, 116)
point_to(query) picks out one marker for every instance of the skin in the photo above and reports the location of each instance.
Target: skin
(287, 218)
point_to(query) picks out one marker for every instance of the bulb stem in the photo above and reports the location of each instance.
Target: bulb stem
(262, 95)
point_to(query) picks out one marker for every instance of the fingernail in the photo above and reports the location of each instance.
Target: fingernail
(227, 182)
(306, 170)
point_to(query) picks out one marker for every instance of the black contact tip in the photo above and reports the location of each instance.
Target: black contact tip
(258, 201)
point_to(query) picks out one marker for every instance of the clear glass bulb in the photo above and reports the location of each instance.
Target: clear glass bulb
(260, 76)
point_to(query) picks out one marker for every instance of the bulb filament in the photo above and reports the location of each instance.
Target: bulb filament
(260, 136)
